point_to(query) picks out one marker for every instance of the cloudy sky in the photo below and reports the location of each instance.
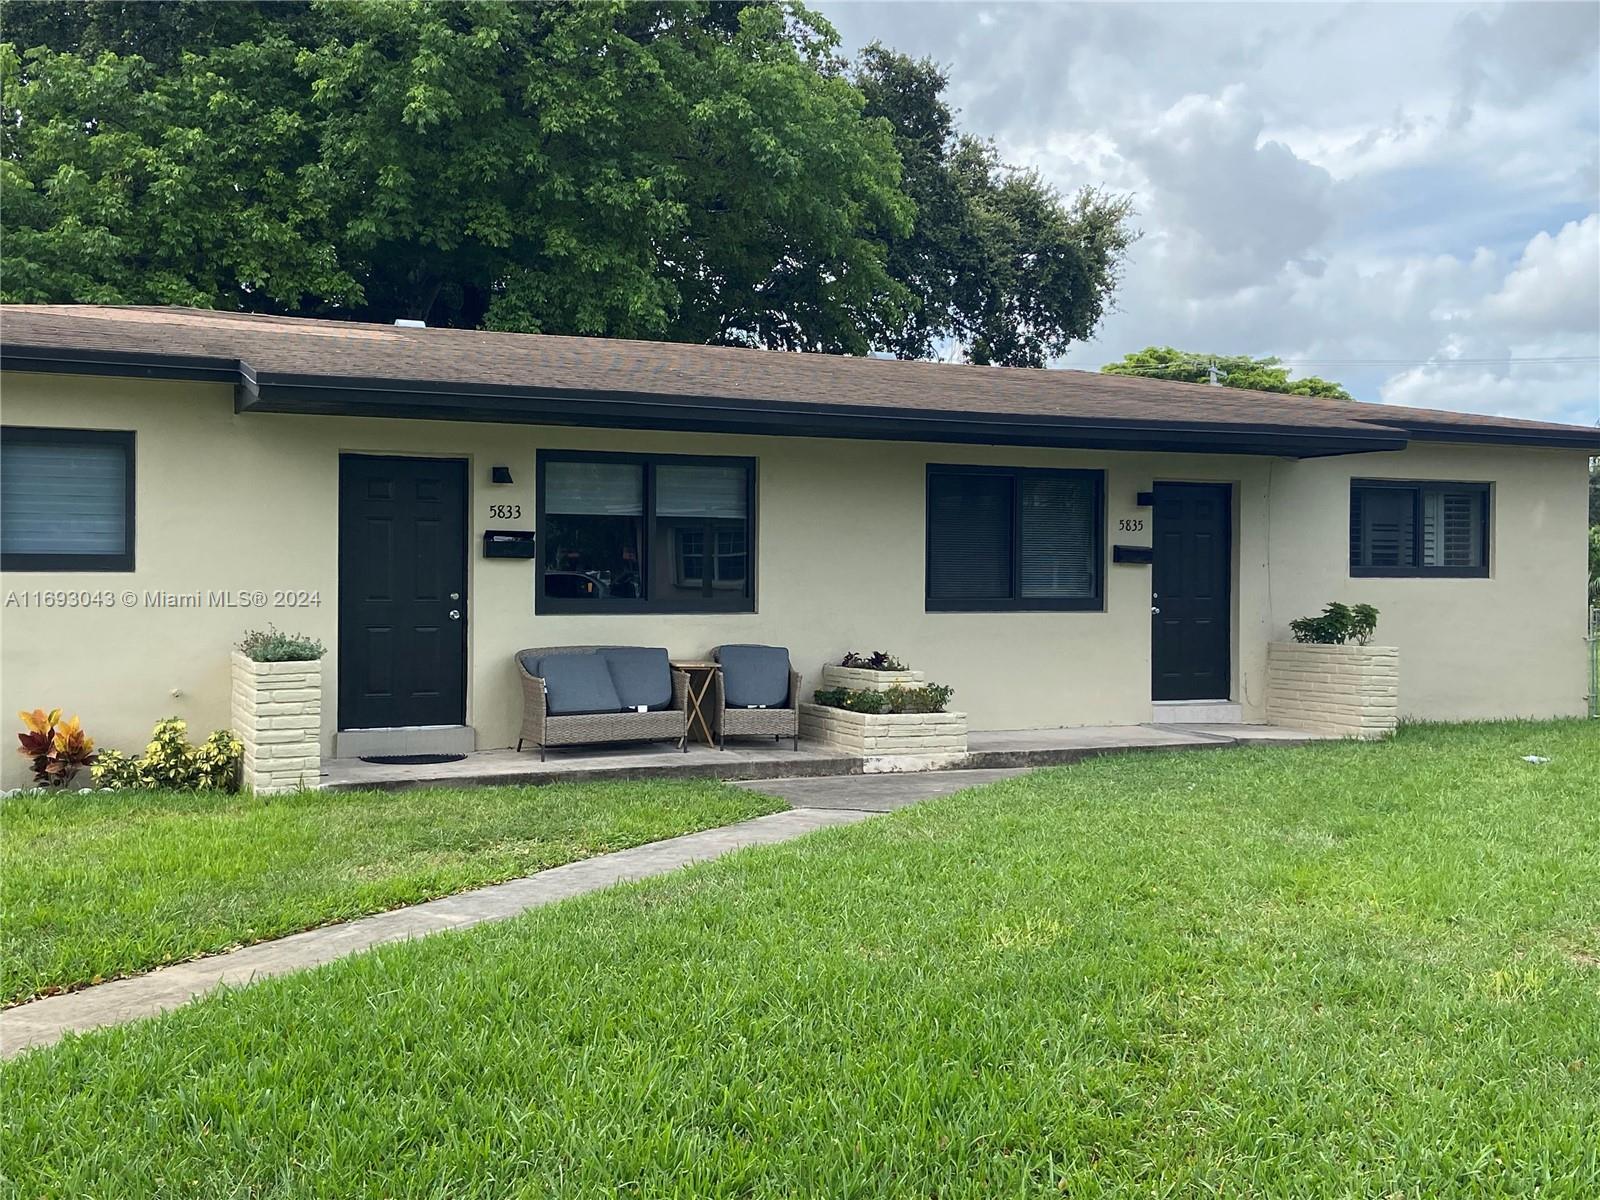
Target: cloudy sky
(1405, 198)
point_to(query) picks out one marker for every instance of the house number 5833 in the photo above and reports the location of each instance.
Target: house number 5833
(1130, 524)
(505, 512)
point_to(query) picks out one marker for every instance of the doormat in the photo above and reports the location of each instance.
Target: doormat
(410, 760)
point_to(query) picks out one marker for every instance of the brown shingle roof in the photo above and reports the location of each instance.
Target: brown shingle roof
(288, 353)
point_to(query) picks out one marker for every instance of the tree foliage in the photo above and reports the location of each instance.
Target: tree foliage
(704, 171)
(996, 258)
(1239, 371)
(696, 171)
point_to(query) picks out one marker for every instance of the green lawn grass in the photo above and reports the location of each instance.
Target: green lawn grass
(93, 887)
(1340, 970)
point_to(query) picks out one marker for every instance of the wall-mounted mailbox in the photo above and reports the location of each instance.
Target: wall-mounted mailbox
(1133, 554)
(508, 543)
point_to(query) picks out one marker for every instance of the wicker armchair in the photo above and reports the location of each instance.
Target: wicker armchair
(546, 729)
(754, 722)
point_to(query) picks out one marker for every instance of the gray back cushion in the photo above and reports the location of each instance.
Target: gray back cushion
(578, 683)
(755, 676)
(641, 675)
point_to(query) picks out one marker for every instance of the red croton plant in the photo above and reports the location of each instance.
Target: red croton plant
(57, 749)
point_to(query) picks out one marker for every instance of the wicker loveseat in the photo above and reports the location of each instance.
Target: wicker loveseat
(758, 673)
(544, 727)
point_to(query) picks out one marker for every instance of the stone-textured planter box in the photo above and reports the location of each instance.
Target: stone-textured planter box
(928, 738)
(1352, 691)
(277, 713)
(860, 679)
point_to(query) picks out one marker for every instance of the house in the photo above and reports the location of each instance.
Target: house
(172, 477)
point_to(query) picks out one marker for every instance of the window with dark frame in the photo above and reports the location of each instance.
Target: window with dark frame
(645, 533)
(66, 499)
(1406, 528)
(1015, 538)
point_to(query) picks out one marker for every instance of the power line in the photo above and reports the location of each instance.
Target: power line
(1188, 365)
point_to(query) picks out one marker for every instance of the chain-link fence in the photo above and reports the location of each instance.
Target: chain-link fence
(1594, 662)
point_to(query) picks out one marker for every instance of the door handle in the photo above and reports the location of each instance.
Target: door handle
(1154, 610)
(455, 614)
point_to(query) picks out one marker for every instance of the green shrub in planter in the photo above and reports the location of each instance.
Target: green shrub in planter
(863, 701)
(273, 645)
(930, 698)
(1338, 624)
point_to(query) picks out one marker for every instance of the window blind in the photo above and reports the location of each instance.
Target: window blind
(701, 491)
(969, 537)
(63, 498)
(1056, 550)
(594, 488)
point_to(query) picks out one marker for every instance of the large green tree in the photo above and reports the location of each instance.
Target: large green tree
(1234, 370)
(707, 172)
(996, 260)
(695, 171)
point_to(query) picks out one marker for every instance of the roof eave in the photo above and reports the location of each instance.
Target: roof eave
(1505, 435)
(444, 401)
(713, 414)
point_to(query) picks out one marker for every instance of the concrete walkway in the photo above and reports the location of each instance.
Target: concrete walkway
(875, 793)
(42, 1022)
(818, 804)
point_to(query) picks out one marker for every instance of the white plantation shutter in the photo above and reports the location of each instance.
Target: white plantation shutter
(1419, 528)
(1452, 528)
(63, 497)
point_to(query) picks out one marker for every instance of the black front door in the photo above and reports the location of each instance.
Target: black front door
(402, 592)
(1192, 618)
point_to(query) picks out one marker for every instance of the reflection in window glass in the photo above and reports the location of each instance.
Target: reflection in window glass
(594, 523)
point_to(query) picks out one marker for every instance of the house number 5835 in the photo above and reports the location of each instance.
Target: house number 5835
(1130, 524)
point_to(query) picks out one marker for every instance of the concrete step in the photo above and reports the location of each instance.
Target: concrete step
(1197, 712)
(405, 739)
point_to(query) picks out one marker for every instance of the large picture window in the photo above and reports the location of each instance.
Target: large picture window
(1014, 538)
(66, 499)
(645, 533)
(1414, 528)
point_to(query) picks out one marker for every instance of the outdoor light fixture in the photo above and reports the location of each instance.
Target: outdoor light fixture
(500, 475)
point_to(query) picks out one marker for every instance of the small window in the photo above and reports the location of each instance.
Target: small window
(66, 500)
(645, 533)
(1412, 529)
(1018, 539)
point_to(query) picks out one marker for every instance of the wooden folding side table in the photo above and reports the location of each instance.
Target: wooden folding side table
(700, 674)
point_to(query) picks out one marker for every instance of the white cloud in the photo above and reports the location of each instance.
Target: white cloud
(1369, 189)
(1556, 284)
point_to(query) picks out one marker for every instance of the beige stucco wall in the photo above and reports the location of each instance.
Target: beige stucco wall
(248, 502)
(1509, 645)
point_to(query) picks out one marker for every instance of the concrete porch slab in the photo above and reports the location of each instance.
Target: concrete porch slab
(1008, 749)
(741, 760)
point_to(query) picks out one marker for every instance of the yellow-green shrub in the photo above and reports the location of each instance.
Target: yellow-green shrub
(170, 762)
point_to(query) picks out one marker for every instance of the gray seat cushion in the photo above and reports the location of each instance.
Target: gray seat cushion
(641, 675)
(578, 683)
(755, 676)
